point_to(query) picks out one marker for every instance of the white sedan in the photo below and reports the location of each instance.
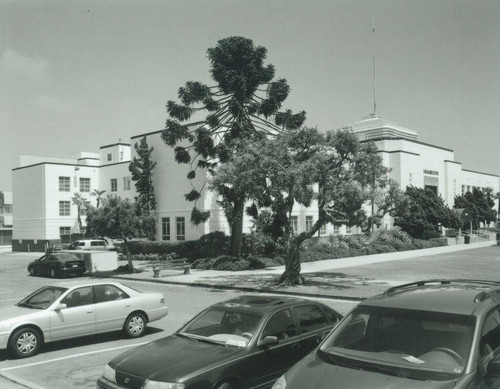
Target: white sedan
(71, 309)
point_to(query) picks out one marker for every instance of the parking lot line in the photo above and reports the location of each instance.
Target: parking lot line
(72, 356)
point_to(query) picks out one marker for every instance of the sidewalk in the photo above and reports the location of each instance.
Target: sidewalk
(323, 278)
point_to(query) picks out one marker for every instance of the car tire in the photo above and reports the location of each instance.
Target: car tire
(25, 342)
(32, 271)
(52, 273)
(135, 325)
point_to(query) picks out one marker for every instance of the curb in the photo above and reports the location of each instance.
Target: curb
(242, 288)
(20, 381)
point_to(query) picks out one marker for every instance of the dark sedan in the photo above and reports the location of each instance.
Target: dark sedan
(247, 342)
(57, 265)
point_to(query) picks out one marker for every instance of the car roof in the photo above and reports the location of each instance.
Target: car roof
(446, 296)
(260, 304)
(77, 283)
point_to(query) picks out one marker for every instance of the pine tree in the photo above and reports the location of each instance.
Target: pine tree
(142, 173)
(244, 104)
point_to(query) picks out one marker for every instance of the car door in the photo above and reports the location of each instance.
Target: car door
(313, 325)
(40, 265)
(489, 349)
(272, 361)
(78, 318)
(112, 307)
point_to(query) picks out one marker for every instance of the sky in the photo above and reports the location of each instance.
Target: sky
(77, 75)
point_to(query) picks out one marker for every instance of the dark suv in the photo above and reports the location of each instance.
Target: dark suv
(426, 334)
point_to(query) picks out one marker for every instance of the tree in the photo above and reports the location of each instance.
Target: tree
(81, 206)
(142, 173)
(497, 197)
(1, 208)
(423, 213)
(98, 193)
(479, 204)
(303, 167)
(244, 103)
(122, 219)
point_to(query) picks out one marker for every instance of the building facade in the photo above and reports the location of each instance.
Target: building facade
(43, 187)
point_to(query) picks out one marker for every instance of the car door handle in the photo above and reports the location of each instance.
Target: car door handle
(127, 306)
(90, 311)
(296, 347)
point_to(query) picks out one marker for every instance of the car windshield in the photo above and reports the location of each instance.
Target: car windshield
(415, 344)
(42, 298)
(224, 326)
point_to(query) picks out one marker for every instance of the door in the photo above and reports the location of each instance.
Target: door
(112, 307)
(272, 361)
(41, 265)
(78, 318)
(489, 349)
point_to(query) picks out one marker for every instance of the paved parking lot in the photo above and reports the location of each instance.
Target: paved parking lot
(78, 363)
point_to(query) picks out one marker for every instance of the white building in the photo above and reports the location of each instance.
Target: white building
(43, 187)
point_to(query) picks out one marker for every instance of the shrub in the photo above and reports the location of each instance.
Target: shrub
(223, 262)
(211, 245)
(260, 244)
(263, 262)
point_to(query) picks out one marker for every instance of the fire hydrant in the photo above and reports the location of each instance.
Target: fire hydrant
(156, 272)
(187, 268)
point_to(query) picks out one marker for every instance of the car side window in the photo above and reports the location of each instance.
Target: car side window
(78, 297)
(80, 244)
(43, 259)
(104, 293)
(281, 324)
(310, 317)
(97, 243)
(489, 346)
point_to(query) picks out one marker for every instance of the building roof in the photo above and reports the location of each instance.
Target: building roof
(376, 127)
(115, 144)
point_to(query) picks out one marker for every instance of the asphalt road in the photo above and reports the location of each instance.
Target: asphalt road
(79, 362)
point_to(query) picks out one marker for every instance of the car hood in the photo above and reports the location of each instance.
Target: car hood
(15, 312)
(312, 372)
(173, 358)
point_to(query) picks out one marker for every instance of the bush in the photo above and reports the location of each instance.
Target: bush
(260, 244)
(263, 262)
(223, 262)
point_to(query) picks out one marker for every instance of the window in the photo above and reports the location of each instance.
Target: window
(181, 228)
(104, 293)
(64, 208)
(310, 318)
(7, 208)
(336, 230)
(294, 223)
(78, 297)
(463, 189)
(281, 324)
(165, 228)
(84, 184)
(110, 157)
(322, 230)
(410, 178)
(99, 243)
(348, 230)
(64, 184)
(126, 183)
(114, 184)
(64, 231)
(309, 223)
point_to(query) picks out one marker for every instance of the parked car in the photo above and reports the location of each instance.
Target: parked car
(241, 343)
(92, 244)
(73, 309)
(57, 264)
(426, 334)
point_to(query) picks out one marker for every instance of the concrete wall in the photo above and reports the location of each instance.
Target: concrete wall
(118, 171)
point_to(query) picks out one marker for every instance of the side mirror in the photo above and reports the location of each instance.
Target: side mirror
(493, 369)
(60, 306)
(268, 341)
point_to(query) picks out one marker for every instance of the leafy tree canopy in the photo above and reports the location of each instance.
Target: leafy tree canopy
(423, 213)
(480, 205)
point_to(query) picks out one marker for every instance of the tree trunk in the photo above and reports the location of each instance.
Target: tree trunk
(292, 276)
(129, 256)
(237, 227)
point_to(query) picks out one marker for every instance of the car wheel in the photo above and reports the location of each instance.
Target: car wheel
(25, 342)
(32, 271)
(53, 273)
(135, 325)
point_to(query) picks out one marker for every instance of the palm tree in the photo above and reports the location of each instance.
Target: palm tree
(97, 193)
(81, 205)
